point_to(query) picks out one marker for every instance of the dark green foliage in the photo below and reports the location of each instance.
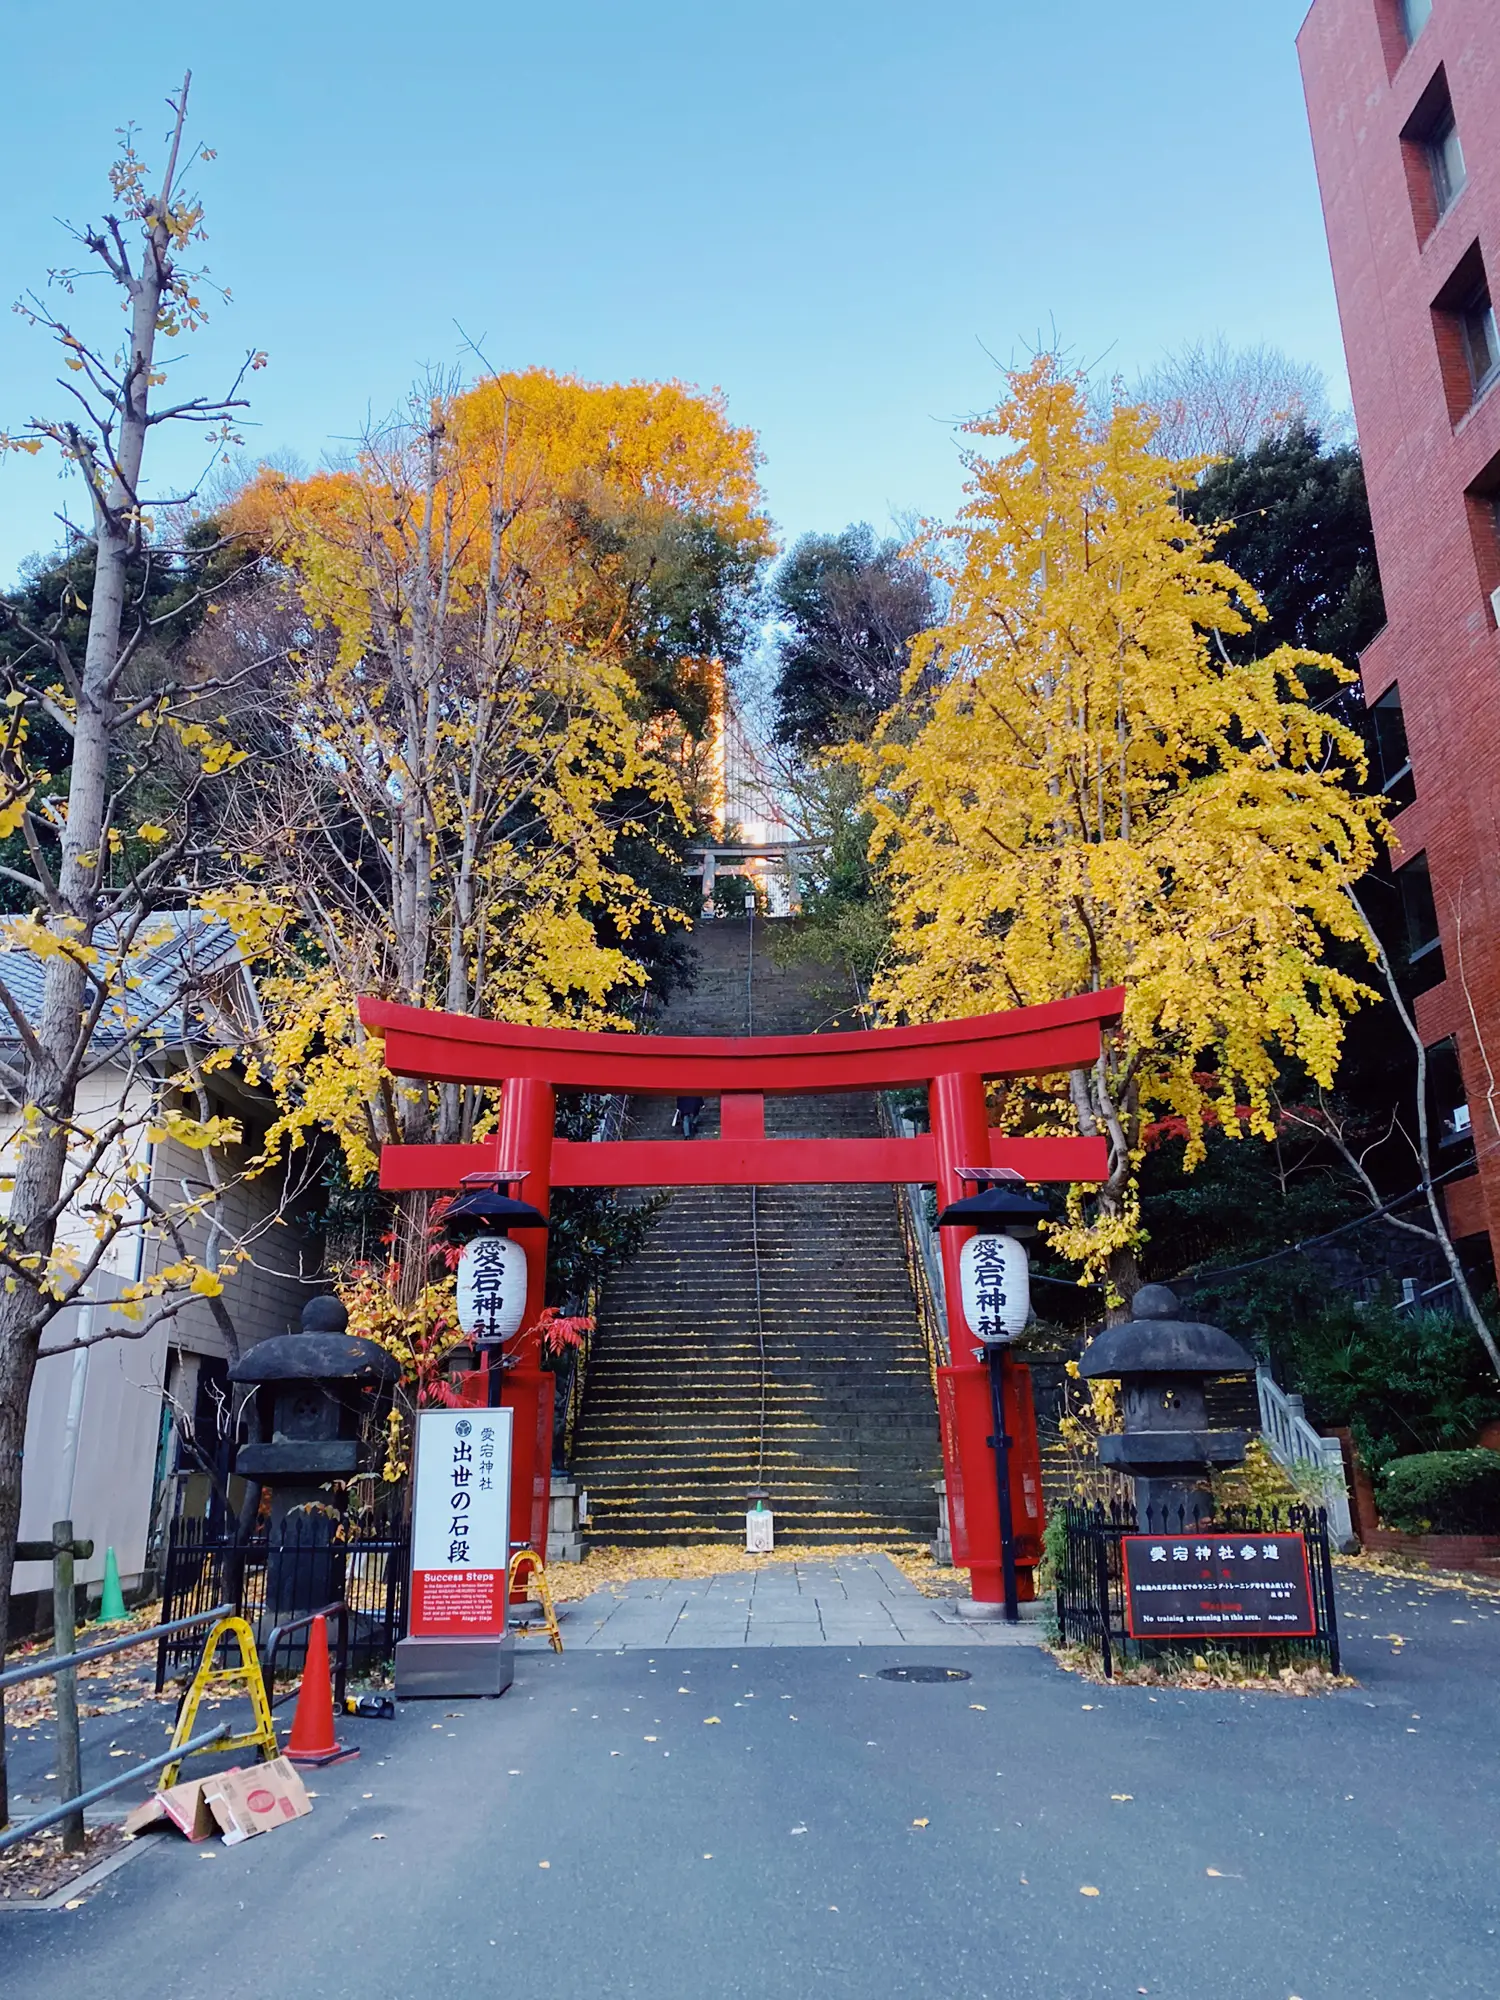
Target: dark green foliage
(1300, 533)
(1403, 1381)
(1247, 1198)
(167, 602)
(851, 607)
(592, 1230)
(843, 905)
(1442, 1492)
(689, 593)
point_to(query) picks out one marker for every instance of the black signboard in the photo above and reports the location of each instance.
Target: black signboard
(1217, 1586)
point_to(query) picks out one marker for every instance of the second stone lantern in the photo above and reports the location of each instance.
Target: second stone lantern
(1164, 1364)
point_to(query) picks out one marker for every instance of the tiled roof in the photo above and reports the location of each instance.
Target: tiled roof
(184, 958)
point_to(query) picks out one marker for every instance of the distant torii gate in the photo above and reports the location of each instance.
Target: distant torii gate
(952, 1059)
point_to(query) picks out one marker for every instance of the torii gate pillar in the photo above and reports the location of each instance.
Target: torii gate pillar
(961, 1138)
(528, 1115)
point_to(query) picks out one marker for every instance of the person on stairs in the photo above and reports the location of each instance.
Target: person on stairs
(689, 1111)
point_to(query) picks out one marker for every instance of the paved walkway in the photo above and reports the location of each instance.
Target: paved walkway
(854, 1601)
(768, 1824)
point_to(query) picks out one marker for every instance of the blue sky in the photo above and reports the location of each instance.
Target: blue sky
(841, 212)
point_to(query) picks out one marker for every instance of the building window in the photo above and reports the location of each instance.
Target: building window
(1434, 156)
(1468, 342)
(1482, 501)
(1448, 1116)
(1389, 755)
(1424, 944)
(1415, 14)
(1481, 339)
(1445, 161)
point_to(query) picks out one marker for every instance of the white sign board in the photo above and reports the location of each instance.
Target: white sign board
(996, 1286)
(491, 1287)
(460, 1530)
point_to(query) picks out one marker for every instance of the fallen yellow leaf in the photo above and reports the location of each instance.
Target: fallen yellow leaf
(1200, 1663)
(919, 1822)
(709, 1718)
(1214, 1871)
(979, 1705)
(1087, 1891)
(1120, 1797)
(544, 1864)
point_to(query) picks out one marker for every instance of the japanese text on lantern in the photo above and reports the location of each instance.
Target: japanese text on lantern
(990, 1270)
(491, 1288)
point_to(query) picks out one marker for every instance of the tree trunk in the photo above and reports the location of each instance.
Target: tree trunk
(1123, 1274)
(51, 1071)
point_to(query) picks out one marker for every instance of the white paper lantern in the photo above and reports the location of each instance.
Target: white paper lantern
(491, 1287)
(996, 1286)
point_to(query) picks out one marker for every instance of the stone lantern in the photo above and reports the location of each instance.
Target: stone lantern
(315, 1390)
(1164, 1364)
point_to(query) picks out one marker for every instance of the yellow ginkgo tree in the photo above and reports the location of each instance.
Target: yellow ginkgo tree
(1081, 792)
(458, 750)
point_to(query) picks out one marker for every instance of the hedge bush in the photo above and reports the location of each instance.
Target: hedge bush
(1443, 1492)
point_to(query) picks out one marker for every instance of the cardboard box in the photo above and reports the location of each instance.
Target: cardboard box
(245, 1803)
(184, 1807)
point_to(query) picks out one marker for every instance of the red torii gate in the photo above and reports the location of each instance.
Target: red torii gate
(952, 1059)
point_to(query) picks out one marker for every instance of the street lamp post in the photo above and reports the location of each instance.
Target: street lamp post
(996, 1304)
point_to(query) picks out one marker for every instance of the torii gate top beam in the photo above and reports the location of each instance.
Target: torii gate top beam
(456, 1048)
(742, 1073)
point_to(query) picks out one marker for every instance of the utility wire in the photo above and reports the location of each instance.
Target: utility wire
(1215, 1272)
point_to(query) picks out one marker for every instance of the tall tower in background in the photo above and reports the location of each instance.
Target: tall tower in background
(1404, 102)
(743, 786)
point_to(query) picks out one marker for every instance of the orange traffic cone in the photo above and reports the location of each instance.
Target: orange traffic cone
(312, 1739)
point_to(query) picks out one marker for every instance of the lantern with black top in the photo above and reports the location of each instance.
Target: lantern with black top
(1164, 1364)
(317, 1392)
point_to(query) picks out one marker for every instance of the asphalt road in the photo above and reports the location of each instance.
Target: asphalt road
(832, 1833)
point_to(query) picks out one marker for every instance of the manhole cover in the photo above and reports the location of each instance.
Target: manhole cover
(924, 1674)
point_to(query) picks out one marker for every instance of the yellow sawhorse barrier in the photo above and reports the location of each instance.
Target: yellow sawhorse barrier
(246, 1678)
(543, 1590)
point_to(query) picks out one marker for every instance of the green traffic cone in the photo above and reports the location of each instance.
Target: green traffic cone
(112, 1598)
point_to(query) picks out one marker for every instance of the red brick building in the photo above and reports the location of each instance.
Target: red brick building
(1404, 102)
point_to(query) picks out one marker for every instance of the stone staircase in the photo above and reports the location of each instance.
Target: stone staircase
(668, 1445)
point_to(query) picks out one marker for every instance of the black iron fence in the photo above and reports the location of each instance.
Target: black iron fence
(271, 1582)
(1201, 1567)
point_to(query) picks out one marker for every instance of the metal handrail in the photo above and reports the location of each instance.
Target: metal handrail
(72, 1809)
(925, 1283)
(340, 1610)
(13, 1676)
(1297, 1444)
(25, 1828)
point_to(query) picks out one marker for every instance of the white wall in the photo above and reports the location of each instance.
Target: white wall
(117, 1448)
(120, 1433)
